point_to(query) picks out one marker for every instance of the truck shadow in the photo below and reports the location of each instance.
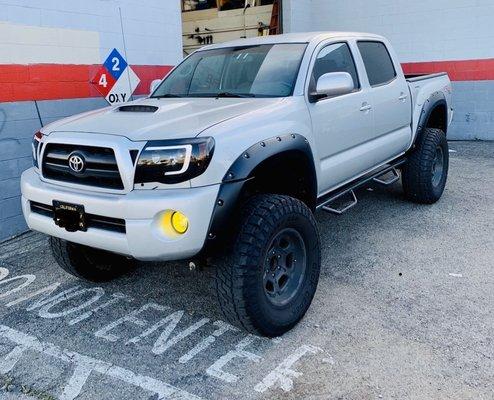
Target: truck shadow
(365, 237)
(341, 238)
(346, 240)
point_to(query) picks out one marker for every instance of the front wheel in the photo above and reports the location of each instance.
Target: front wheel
(425, 174)
(88, 263)
(266, 283)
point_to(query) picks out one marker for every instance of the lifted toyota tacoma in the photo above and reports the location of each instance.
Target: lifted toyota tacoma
(228, 159)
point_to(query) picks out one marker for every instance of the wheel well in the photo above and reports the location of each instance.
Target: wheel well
(438, 118)
(289, 173)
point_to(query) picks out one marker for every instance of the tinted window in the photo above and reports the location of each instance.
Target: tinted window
(335, 58)
(207, 77)
(378, 63)
(192, 5)
(260, 71)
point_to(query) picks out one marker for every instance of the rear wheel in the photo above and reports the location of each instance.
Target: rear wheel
(425, 174)
(266, 283)
(88, 263)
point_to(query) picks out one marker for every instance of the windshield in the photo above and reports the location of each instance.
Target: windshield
(254, 71)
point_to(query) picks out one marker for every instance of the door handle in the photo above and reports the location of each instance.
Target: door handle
(365, 107)
(403, 97)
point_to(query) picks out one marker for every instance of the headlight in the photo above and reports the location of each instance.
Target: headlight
(174, 161)
(35, 147)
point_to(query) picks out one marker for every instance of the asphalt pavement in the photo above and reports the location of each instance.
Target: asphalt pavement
(404, 310)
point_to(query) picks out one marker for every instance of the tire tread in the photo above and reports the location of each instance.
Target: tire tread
(416, 175)
(260, 215)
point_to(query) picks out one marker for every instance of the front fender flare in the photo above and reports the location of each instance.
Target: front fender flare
(224, 217)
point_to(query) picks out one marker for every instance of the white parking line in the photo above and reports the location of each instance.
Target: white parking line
(133, 318)
(76, 382)
(217, 370)
(84, 366)
(3, 273)
(47, 290)
(283, 373)
(162, 333)
(96, 294)
(28, 279)
(115, 298)
(9, 361)
(223, 327)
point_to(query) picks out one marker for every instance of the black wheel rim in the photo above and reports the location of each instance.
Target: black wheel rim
(438, 166)
(284, 267)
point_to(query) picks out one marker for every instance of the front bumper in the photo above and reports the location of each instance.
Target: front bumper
(138, 208)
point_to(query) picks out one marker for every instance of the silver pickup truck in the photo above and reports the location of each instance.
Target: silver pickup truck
(228, 159)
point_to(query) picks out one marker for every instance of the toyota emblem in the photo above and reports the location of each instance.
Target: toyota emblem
(76, 163)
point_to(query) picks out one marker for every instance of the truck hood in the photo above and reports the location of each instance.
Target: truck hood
(156, 119)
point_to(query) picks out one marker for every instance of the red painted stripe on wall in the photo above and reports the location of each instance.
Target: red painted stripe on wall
(62, 81)
(467, 70)
(147, 74)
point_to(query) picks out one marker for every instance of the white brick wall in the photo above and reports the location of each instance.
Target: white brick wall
(297, 15)
(66, 32)
(23, 44)
(420, 30)
(152, 27)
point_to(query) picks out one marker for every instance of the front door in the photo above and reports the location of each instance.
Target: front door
(340, 124)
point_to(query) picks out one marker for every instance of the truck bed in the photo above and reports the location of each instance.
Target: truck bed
(421, 87)
(421, 77)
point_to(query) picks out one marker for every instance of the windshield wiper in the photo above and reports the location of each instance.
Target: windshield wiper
(164, 96)
(230, 94)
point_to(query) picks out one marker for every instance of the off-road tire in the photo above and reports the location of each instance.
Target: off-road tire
(240, 272)
(87, 263)
(418, 173)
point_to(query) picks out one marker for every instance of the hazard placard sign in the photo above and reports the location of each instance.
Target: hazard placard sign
(116, 80)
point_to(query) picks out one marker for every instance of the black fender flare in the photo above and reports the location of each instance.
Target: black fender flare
(240, 172)
(436, 99)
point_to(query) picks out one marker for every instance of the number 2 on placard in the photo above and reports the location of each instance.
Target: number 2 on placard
(102, 81)
(116, 63)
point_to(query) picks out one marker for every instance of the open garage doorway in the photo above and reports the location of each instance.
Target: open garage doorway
(215, 21)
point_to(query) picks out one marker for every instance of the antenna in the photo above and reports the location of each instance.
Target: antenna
(125, 52)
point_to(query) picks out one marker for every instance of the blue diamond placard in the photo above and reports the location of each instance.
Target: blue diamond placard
(115, 64)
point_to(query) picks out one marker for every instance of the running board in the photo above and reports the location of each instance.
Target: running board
(395, 177)
(325, 202)
(345, 207)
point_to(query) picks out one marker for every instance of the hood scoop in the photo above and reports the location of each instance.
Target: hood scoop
(138, 108)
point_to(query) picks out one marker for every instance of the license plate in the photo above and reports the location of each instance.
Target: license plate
(71, 217)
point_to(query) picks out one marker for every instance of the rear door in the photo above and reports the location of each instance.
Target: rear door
(391, 102)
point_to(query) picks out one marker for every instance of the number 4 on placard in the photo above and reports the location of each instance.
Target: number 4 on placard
(102, 81)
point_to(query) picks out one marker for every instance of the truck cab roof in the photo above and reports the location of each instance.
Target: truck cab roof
(304, 37)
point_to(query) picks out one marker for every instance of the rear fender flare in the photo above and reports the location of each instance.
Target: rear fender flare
(436, 99)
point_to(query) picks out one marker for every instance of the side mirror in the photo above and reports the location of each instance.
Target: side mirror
(333, 84)
(154, 85)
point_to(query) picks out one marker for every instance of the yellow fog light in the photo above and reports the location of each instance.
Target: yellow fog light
(170, 224)
(180, 223)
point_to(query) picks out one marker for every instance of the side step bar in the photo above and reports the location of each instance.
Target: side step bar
(379, 175)
(395, 177)
(344, 207)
